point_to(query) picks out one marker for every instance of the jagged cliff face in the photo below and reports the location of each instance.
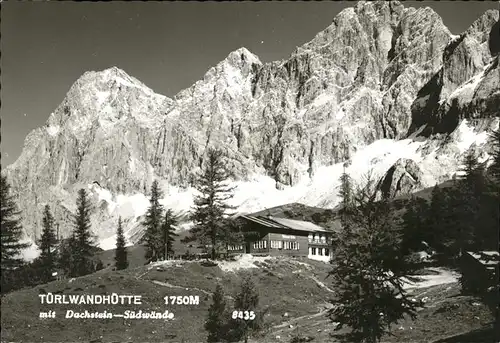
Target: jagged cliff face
(467, 84)
(379, 71)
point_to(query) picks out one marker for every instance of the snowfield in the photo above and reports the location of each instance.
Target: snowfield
(260, 191)
(443, 277)
(30, 253)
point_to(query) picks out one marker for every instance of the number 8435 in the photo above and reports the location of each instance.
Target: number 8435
(245, 315)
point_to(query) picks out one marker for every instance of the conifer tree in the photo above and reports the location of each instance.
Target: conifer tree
(368, 266)
(442, 220)
(217, 317)
(473, 180)
(11, 233)
(168, 233)
(415, 225)
(346, 191)
(84, 247)
(66, 257)
(495, 166)
(236, 234)
(468, 199)
(48, 249)
(494, 191)
(211, 206)
(121, 261)
(153, 224)
(246, 301)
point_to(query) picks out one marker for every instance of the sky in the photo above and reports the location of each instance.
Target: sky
(46, 46)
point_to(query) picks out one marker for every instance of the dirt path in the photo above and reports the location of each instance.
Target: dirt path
(169, 285)
(165, 284)
(302, 321)
(321, 284)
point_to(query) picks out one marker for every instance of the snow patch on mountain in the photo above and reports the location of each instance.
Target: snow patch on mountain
(53, 130)
(465, 92)
(80, 125)
(465, 135)
(322, 100)
(101, 97)
(260, 191)
(31, 252)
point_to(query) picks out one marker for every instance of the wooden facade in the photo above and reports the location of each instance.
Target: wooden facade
(283, 237)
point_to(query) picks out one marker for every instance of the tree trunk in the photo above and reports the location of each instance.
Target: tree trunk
(213, 244)
(165, 252)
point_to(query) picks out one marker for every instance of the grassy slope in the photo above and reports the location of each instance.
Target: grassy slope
(447, 317)
(280, 285)
(285, 286)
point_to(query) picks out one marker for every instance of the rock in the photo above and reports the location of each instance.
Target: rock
(403, 177)
(280, 186)
(285, 314)
(453, 93)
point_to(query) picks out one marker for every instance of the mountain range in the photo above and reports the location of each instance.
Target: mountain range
(385, 90)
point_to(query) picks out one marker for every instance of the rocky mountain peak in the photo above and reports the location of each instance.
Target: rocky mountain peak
(107, 80)
(229, 79)
(105, 97)
(241, 57)
(483, 25)
(379, 71)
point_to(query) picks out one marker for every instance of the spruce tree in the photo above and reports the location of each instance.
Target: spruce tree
(168, 234)
(246, 301)
(48, 249)
(235, 233)
(495, 166)
(415, 225)
(121, 261)
(473, 180)
(211, 206)
(368, 267)
(66, 256)
(11, 233)
(84, 247)
(494, 189)
(468, 201)
(346, 191)
(217, 317)
(442, 220)
(153, 224)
